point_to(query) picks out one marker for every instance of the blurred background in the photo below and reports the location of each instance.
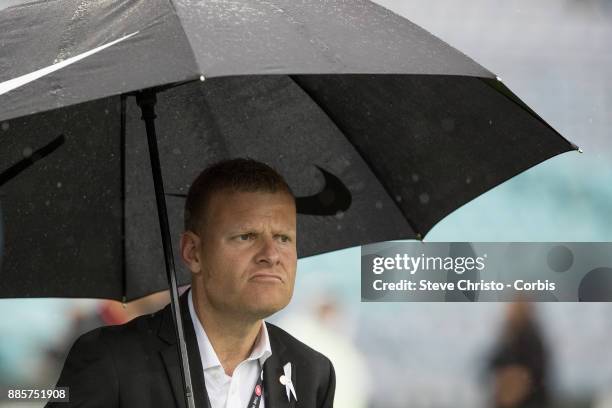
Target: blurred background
(555, 55)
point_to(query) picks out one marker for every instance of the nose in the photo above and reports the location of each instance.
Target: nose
(268, 252)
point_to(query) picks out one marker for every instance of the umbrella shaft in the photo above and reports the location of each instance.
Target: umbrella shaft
(146, 101)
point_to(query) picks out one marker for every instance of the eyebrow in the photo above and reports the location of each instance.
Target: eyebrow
(252, 228)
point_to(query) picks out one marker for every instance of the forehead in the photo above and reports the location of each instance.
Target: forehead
(244, 208)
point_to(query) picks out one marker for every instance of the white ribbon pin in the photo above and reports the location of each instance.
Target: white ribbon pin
(286, 381)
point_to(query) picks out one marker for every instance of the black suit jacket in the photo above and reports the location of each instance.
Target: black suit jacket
(136, 365)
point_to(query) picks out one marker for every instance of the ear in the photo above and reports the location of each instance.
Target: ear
(190, 251)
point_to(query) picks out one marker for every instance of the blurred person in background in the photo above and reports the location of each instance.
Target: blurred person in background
(106, 313)
(322, 328)
(603, 399)
(519, 363)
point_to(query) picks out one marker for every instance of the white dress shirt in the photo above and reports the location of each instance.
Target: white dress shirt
(235, 391)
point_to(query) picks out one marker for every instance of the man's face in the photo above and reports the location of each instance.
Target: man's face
(247, 253)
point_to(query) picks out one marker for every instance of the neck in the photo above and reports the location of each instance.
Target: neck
(231, 337)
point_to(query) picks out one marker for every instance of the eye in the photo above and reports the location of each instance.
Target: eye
(246, 237)
(284, 238)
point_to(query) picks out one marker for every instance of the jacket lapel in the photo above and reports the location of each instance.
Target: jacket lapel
(170, 356)
(275, 393)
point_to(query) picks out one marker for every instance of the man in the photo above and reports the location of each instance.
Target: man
(240, 245)
(519, 363)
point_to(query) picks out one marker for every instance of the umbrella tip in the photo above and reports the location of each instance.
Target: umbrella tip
(498, 78)
(202, 78)
(419, 236)
(576, 147)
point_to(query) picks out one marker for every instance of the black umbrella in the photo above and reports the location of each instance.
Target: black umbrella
(380, 128)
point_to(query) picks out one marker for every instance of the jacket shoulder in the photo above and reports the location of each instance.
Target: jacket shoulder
(311, 364)
(295, 346)
(108, 358)
(132, 334)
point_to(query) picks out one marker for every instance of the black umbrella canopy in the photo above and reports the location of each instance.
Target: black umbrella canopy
(380, 128)
(159, 41)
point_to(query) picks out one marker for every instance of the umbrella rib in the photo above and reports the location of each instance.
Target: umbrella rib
(201, 75)
(502, 89)
(25, 163)
(122, 178)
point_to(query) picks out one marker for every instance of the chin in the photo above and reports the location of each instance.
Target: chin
(265, 309)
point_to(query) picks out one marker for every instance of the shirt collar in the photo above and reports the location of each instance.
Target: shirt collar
(261, 351)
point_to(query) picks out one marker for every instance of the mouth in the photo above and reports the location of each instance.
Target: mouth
(266, 277)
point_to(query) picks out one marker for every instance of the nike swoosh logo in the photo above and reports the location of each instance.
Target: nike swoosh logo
(23, 164)
(335, 197)
(15, 83)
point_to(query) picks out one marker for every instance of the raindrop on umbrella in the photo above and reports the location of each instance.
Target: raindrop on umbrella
(424, 198)
(448, 124)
